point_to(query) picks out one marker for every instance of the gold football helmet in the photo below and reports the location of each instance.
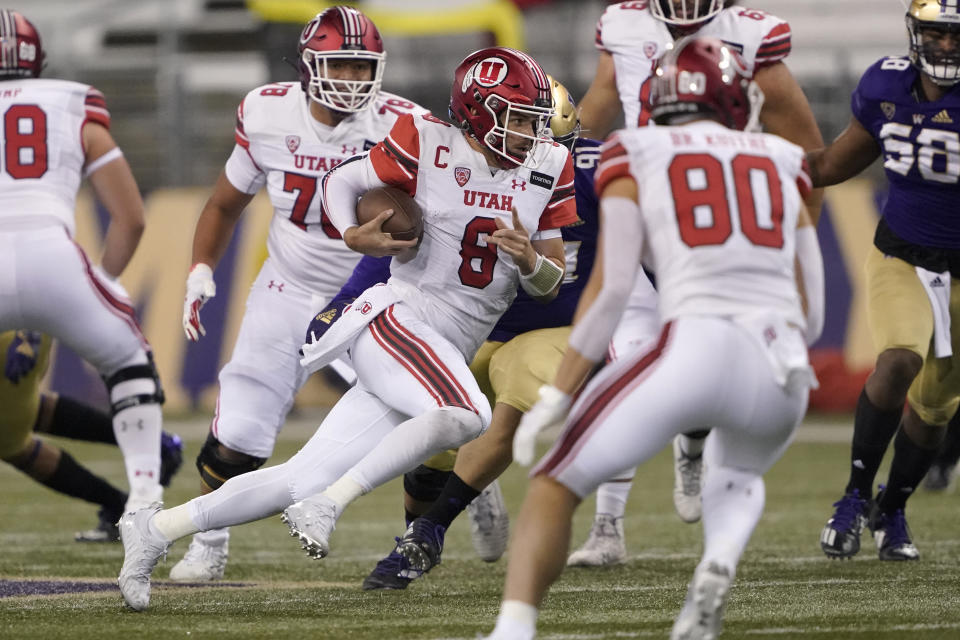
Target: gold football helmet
(565, 124)
(934, 28)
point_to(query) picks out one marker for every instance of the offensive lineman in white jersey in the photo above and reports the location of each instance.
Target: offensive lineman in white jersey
(631, 36)
(721, 223)
(288, 137)
(54, 133)
(481, 186)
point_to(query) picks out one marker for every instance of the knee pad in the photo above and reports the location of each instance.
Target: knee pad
(462, 425)
(215, 469)
(424, 483)
(134, 385)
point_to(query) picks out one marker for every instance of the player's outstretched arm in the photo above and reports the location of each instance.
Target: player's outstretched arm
(210, 240)
(115, 187)
(600, 106)
(218, 219)
(787, 113)
(853, 151)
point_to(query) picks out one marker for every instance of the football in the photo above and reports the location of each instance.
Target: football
(406, 223)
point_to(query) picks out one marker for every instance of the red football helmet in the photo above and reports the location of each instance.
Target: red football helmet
(340, 33)
(705, 76)
(21, 53)
(686, 13)
(489, 87)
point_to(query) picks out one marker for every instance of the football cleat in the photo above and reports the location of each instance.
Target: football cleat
(171, 457)
(392, 572)
(687, 483)
(892, 535)
(422, 545)
(312, 520)
(840, 537)
(141, 550)
(205, 559)
(702, 615)
(604, 546)
(105, 531)
(489, 523)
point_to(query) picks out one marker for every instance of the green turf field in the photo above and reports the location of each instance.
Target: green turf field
(785, 587)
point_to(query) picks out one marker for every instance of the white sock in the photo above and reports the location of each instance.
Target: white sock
(691, 447)
(213, 537)
(732, 505)
(174, 523)
(612, 496)
(137, 430)
(517, 621)
(413, 441)
(244, 498)
(343, 492)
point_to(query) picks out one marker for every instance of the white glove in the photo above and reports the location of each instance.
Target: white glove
(549, 410)
(200, 288)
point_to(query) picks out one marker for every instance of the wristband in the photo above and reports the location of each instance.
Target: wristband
(546, 275)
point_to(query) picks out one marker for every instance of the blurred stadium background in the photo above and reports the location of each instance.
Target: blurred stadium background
(174, 71)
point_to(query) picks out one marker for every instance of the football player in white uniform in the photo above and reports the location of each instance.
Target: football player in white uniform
(631, 36)
(481, 185)
(288, 136)
(54, 133)
(721, 223)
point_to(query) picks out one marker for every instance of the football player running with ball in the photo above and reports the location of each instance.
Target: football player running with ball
(907, 109)
(734, 328)
(56, 133)
(631, 36)
(521, 353)
(494, 191)
(288, 136)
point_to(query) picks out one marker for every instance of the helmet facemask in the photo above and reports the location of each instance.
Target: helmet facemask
(685, 13)
(502, 111)
(343, 95)
(940, 64)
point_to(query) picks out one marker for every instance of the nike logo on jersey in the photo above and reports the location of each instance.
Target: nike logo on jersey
(487, 200)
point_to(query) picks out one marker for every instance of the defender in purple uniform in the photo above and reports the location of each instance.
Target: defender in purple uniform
(521, 353)
(908, 110)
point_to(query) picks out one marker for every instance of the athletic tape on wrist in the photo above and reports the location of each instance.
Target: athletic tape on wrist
(546, 275)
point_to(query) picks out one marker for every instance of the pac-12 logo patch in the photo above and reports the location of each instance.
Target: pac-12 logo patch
(462, 174)
(650, 49)
(889, 109)
(293, 143)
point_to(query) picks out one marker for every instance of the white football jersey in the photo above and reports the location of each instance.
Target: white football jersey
(42, 153)
(720, 211)
(281, 145)
(458, 283)
(635, 39)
